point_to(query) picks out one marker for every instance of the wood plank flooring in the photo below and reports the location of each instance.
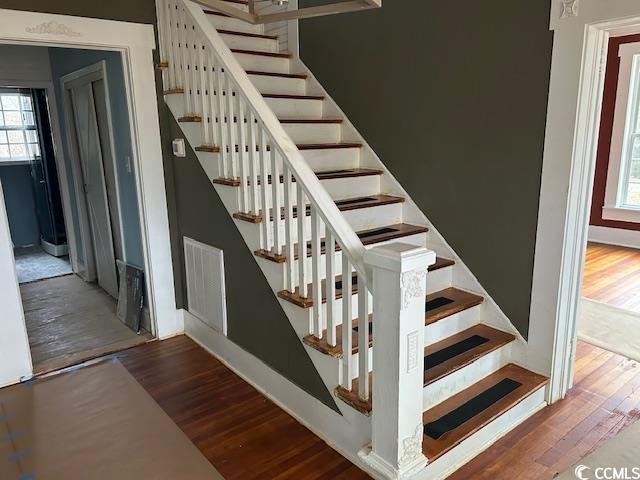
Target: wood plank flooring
(69, 320)
(612, 276)
(245, 436)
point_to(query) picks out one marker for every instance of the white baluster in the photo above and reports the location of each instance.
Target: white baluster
(288, 231)
(301, 213)
(233, 156)
(171, 45)
(330, 254)
(363, 338)
(184, 52)
(253, 158)
(275, 201)
(347, 332)
(193, 69)
(203, 97)
(242, 155)
(316, 255)
(214, 124)
(222, 120)
(162, 13)
(264, 190)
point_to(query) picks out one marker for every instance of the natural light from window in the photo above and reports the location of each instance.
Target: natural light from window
(18, 134)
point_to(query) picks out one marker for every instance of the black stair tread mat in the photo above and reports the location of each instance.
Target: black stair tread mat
(470, 409)
(437, 303)
(452, 351)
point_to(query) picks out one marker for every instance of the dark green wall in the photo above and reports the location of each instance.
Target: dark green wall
(452, 95)
(256, 321)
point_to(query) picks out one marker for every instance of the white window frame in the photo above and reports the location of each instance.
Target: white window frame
(25, 159)
(627, 109)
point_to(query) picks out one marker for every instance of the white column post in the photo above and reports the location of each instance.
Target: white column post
(399, 288)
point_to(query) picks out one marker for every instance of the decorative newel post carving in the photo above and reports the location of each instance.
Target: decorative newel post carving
(399, 286)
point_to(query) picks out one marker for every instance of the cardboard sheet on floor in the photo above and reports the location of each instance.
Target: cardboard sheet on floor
(94, 423)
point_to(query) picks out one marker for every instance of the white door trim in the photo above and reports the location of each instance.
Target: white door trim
(573, 121)
(136, 43)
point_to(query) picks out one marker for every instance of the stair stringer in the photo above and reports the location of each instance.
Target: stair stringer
(463, 277)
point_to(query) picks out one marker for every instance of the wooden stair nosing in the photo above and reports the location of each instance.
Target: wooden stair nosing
(328, 146)
(261, 54)
(303, 121)
(531, 382)
(300, 76)
(330, 175)
(247, 34)
(368, 201)
(401, 230)
(286, 96)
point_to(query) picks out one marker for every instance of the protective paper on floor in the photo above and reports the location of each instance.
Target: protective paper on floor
(96, 423)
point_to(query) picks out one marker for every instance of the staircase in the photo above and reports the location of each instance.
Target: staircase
(365, 279)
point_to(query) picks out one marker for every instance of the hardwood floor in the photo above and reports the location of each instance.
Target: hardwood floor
(69, 320)
(612, 276)
(245, 436)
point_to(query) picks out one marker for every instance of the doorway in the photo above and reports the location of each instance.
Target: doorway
(79, 257)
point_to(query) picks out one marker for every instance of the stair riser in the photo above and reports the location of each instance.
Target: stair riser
(263, 63)
(234, 24)
(250, 43)
(280, 85)
(438, 279)
(459, 380)
(332, 158)
(239, 6)
(452, 324)
(313, 133)
(445, 465)
(289, 107)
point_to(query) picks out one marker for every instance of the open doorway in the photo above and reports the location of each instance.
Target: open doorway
(70, 192)
(610, 304)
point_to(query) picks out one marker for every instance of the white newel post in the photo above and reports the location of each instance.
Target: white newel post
(399, 286)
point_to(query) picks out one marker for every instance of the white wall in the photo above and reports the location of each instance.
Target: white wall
(15, 357)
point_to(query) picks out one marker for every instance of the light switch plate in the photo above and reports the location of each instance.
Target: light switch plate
(179, 149)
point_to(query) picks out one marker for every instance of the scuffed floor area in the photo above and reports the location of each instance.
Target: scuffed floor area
(70, 320)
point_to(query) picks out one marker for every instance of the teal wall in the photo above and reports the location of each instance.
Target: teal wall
(20, 204)
(64, 61)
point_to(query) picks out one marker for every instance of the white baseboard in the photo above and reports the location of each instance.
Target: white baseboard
(55, 250)
(346, 433)
(614, 236)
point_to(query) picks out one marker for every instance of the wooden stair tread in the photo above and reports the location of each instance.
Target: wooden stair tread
(328, 146)
(343, 205)
(441, 263)
(286, 96)
(307, 302)
(376, 235)
(456, 301)
(260, 53)
(322, 345)
(494, 340)
(530, 382)
(310, 120)
(247, 34)
(301, 76)
(321, 174)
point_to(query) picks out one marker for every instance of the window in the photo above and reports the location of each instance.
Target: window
(630, 164)
(18, 133)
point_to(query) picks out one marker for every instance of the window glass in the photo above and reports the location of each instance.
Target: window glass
(18, 134)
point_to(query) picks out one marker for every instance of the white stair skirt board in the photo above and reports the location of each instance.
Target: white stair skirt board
(610, 327)
(620, 452)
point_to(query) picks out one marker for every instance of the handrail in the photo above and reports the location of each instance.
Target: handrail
(238, 124)
(315, 192)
